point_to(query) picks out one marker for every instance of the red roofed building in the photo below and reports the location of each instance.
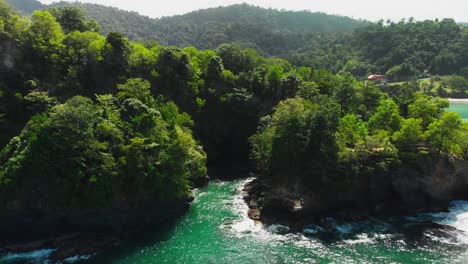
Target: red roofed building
(378, 79)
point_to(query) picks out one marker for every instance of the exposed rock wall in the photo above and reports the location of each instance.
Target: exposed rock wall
(428, 183)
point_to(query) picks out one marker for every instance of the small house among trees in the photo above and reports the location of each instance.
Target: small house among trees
(378, 79)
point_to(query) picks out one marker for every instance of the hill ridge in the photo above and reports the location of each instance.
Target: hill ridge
(208, 28)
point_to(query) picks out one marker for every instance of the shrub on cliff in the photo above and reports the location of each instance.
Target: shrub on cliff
(298, 140)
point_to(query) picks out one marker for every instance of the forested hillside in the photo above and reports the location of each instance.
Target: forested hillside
(131, 24)
(403, 50)
(249, 24)
(271, 31)
(26, 6)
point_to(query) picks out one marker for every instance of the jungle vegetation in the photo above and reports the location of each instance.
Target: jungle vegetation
(90, 121)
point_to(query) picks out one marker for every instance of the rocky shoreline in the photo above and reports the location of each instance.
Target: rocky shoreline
(428, 187)
(280, 207)
(86, 234)
(68, 245)
(101, 233)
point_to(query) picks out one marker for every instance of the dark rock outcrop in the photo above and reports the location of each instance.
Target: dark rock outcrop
(82, 234)
(428, 183)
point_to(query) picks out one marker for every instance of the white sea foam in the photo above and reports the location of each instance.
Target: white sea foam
(312, 229)
(271, 234)
(456, 217)
(346, 228)
(370, 232)
(360, 239)
(278, 229)
(40, 256)
(77, 258)
(244, 225)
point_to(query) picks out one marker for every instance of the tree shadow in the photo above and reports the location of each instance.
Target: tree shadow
(152, 236)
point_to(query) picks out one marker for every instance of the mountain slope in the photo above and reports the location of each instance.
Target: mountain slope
(26, 6)
(260, 28)
(272, 31)
(293, 21)
(111, 19)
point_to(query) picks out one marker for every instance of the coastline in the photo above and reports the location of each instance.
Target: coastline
(86, 235)
(410, 189)
(458, 100)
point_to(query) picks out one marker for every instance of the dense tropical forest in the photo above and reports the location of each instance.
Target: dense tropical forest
(207, 29)
(90, 122)
(403, 50)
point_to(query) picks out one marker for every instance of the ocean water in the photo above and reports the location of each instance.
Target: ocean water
(216, 230)
(461, 108)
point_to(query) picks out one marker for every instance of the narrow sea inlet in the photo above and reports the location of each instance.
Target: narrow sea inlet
(217, 230)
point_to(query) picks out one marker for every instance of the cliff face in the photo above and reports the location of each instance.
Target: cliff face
(428, 183)
(433, 180)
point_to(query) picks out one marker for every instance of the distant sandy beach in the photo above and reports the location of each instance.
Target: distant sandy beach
(457, 100)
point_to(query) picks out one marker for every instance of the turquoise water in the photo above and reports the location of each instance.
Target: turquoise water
(216, 230)
(461, 108)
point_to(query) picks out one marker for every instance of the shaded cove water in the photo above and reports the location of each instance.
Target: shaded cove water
(217, 230)
(460, 107)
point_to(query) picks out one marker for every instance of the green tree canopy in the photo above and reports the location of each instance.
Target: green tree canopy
(445, 134)
(73, 19)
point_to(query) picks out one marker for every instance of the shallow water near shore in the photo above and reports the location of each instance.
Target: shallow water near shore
(216, 230)
(460, 107)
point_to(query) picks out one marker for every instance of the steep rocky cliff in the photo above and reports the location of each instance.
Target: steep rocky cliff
(427, 183)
